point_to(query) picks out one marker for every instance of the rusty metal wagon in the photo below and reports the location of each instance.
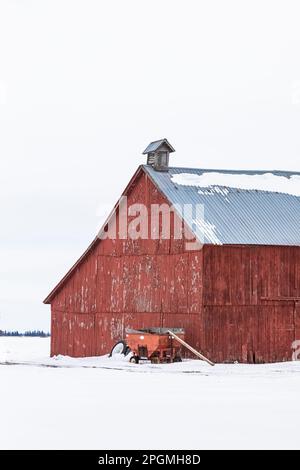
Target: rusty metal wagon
(151, 344)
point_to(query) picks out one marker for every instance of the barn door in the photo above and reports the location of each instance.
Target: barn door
(279, 329)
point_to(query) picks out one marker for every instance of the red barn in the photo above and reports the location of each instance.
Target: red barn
(236, 290)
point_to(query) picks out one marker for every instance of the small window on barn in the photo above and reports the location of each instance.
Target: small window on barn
(163, 159)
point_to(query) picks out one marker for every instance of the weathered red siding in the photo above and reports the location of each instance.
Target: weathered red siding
(127, 283)
(243, 318)
(218, 294)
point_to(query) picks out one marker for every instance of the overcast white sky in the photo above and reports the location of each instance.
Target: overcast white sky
(86, 84)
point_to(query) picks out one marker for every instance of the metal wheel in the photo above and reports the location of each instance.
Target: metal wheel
(134, 359)
(118, 348)
(177, 358)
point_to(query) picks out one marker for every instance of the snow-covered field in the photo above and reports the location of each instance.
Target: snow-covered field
(100, 403)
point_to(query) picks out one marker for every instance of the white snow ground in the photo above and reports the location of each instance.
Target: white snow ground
(100, 403)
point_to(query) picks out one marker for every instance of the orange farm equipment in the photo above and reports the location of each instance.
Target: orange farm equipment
(151, 344)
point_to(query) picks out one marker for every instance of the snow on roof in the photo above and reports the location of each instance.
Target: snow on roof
(207, 231)
(256, 182)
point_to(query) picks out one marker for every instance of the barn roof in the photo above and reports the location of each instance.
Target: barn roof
(267, 213)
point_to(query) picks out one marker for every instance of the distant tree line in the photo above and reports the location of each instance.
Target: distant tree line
(34, 333)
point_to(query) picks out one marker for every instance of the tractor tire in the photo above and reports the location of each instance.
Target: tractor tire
(135, 359)
(177, 359)
(119, 348)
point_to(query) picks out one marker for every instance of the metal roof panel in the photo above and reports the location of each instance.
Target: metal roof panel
(235, 216)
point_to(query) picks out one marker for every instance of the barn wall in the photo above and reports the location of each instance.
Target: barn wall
(128, 283)
(238, 324)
